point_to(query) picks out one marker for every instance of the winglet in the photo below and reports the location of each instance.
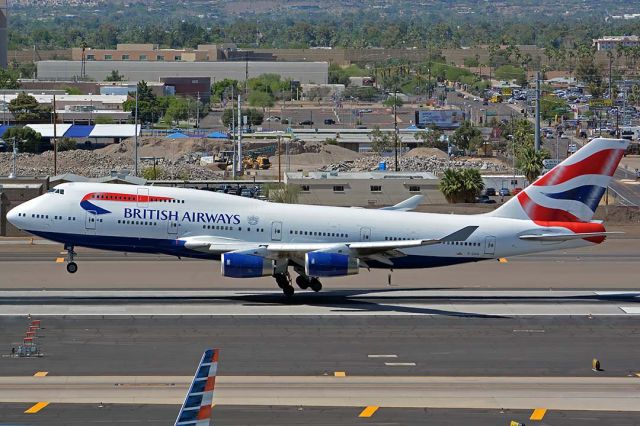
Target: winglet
(406, 205)
(196, 409)
(460, 235)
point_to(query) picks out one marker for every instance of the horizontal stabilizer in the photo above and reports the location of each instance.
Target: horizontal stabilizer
(566, 237)
(406, 205)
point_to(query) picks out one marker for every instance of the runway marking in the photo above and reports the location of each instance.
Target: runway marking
(368, 411)
(60, 260)
(528, 331)
(382, 356)
(37, 407)
(400, 364)
(538, 414)
(340, 374)
(41, 374)
(503, 260)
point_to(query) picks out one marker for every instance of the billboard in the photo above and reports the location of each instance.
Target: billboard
(445, 119)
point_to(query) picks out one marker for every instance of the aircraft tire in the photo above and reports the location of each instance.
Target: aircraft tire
(302, 282)
(288, 290)
(72, 267)
(315, 284)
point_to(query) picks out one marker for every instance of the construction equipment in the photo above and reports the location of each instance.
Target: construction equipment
(256, 162)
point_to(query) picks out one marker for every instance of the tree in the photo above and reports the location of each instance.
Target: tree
(28, 139)
(101, 119)
(114, 76)
(587, 71)
(177, 109)
(153, 173)
(281, 193)
(530, 161)
(8, 80)
(224, 89)
(380, 141)
(461, 185)
(392, 101)
(73, 90)
(432, 138)
(254, 116)
(148, 105)
(467, 136)
(25, 108)
(260, 99)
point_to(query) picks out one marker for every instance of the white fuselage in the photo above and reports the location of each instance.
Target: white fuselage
(154, 219)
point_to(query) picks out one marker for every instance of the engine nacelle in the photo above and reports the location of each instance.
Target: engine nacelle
(326, 264)
(238, 265)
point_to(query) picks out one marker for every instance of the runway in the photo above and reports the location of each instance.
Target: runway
(472, 304)
(563, 393)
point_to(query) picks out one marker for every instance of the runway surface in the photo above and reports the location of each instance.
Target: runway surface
(472, 304)
(163, 415)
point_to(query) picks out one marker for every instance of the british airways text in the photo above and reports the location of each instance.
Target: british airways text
(154, 214)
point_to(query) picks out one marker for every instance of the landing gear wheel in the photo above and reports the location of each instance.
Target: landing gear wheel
(282, 280)
(302, 282)
(315, 284)
(288, 290)
(72, 267)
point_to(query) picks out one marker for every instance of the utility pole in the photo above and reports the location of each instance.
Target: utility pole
(239, 135)
(537, 128)
(55, 138)
(395, 126)
(14, 160)
(233, 133)
(279, 162)
(198, 110)
(135, 132)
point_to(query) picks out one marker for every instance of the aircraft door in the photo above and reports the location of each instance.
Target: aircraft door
(143, 198)
(365, 234)
(489, 245)
(172, 228)
(90, 220)
(276, 231)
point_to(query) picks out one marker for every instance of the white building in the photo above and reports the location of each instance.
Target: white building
(612, 42)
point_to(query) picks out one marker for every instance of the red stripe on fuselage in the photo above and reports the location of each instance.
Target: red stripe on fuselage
(116, 196)
(601, 163)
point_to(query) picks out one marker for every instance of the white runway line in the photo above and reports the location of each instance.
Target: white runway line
(400, 364)
(382, 356)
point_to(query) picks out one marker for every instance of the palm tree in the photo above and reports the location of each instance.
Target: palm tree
(461, 185)
(530, 161)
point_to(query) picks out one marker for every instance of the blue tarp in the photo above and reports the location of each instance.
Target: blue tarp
(218, 135)
(411, 127)
(79, 131)
(3, 128)
(177, 135)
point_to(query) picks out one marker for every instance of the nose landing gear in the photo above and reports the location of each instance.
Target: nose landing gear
(72, 267)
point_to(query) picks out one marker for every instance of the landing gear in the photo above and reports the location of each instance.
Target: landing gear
(315, 284)
(303, 282)
(72, 267)
(284, 282)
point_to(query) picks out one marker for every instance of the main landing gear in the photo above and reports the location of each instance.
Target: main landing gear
(72, 267)
(283, 279)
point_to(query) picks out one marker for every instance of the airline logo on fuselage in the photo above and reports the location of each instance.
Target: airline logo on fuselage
(188, 216)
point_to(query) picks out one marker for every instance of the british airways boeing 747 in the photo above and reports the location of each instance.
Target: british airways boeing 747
(254, 238)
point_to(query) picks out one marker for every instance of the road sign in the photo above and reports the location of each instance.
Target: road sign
(599, 103)
(550, 163)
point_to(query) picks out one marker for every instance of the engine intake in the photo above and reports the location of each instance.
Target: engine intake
(237, 265)
(322, 264)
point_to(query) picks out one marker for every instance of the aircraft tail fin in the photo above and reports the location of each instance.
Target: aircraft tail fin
(196, 409)
(572, 190)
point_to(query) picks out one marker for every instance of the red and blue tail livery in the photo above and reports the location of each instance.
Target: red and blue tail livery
(196, 409)
(572, 190)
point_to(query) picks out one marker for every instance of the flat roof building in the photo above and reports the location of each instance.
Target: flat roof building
(612, 42)
(304, 72)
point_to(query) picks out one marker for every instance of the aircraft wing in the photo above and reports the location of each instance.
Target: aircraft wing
(196, 409)
(565, 237)
(279, 250)
(406, 205)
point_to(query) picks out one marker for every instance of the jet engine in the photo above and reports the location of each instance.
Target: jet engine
(240, 265)
(327, 264)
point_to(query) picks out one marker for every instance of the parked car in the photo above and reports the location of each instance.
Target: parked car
(273, 118)
(484, 199)
(329, 121)
(490, 192)
(504, 192)
(306, 123)
(516, 191)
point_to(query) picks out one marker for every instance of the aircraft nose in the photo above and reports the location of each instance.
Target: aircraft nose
(12, 216)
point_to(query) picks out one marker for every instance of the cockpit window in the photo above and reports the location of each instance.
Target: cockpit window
(56, 191)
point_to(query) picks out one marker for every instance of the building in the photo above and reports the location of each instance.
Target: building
(364, 189)
(4, 38)
(196, 87)
(613, 42)
(14, 192)
(304, 72)
(152, 53)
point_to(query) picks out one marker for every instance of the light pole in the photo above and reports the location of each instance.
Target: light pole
(135, 131)
(14, 159)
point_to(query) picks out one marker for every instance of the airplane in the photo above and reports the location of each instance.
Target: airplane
(255, 238)
(196, 409)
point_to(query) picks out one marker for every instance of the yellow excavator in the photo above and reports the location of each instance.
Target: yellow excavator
(256, 162)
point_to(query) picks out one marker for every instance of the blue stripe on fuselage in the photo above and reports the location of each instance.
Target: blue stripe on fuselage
(176, 248)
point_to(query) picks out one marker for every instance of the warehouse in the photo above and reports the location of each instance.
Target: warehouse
(304, 72)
